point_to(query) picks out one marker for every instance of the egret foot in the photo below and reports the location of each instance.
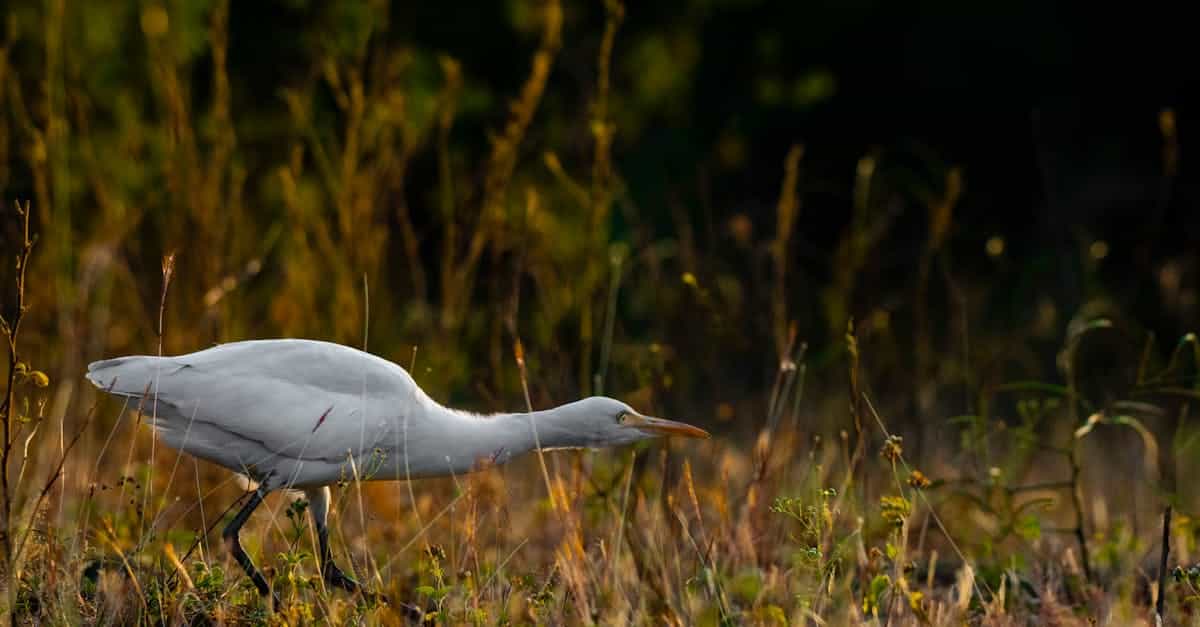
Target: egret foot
(334, 577)
(412, 613)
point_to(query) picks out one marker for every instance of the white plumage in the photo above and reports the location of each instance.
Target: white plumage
(306, 414)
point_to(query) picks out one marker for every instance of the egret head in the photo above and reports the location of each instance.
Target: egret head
(599, 421)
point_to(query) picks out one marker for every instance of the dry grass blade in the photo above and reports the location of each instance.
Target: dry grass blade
(618, 195)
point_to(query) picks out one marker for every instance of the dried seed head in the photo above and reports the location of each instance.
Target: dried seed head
(918, 480)
(892, 450)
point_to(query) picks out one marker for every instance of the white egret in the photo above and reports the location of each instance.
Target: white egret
(305, 414)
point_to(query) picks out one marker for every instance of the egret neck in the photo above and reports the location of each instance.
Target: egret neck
(445, 441)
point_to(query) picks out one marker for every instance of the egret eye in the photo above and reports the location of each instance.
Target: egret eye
(622, 415)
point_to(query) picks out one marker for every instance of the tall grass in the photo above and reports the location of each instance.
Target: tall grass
(901, 460)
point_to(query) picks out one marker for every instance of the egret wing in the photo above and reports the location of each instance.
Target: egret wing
(297, 398)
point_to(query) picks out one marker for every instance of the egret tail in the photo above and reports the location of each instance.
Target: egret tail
(131, 376)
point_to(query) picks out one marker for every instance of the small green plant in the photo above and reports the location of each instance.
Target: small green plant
(438, 589)
(297, 520)
(819, 559)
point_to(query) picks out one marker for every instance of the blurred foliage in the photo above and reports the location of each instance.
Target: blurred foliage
(570, 174)
(675, 204)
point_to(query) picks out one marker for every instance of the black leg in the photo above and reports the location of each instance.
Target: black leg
(235, 545)
(318, 504)
(329, 569)
(318, 507)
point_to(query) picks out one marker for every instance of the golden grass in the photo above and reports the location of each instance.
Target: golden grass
(160, 228)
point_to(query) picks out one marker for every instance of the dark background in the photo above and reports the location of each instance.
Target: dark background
(1053, 115)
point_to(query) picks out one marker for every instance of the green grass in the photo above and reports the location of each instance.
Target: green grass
(882, 455)
(802, 526)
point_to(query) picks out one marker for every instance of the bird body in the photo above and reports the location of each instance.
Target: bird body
(306, 414)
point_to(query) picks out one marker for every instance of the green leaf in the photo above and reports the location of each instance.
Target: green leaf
(1042, 503)
(1148, 440)
(879, 585)
(747, 584)
(1091, 423)
(1028, 527)
(1035, 386)
(775, 614)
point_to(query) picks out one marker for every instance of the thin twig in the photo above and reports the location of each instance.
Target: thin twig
(1162, 566)
(12, 329)
(519, 353)
(56, 474)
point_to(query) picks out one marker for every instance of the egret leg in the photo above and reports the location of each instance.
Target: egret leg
(318, 505)
(235, 544)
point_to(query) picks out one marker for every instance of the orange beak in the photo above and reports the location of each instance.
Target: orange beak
(659, 426)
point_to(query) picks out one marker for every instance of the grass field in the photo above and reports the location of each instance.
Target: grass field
(822, 517)
(947, 449)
